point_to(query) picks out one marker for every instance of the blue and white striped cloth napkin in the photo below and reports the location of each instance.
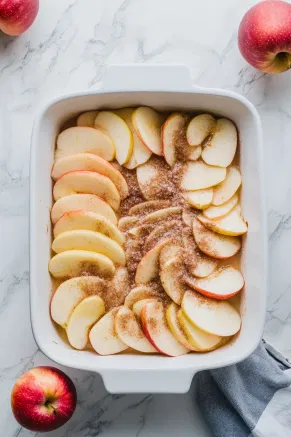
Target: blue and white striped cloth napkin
(249, 399)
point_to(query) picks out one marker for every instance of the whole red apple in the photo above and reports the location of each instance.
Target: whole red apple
(43, 399)
(264, 36)
(16, 16)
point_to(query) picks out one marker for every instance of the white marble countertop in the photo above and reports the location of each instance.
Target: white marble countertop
(67, 49)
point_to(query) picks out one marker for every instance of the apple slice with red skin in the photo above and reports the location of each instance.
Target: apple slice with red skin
(103, 337)
(223, 284)
(148, 124)
(87, 202)
(148, 267)
(217, 212)
(79, 139)
(221, 148)
(43, 399)
(138, 306)
(139, 293)
(87, 119)
(199, 128)
(216, 317)
(213, 244)
(176, 328)
(154, 325)
(171, 132)
(90, 162)
(130, 332)
(231, 224)
(227, 188)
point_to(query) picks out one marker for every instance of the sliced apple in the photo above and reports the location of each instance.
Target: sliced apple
(171, 133)
(197, 263)
(199, 128)
(87, 118)
(221, 148)
(217, 212)
(197, 176)
(138, 306)
(70, 293)
(201, 340)
(117, 288)
(81, 239)
(213, 316)
(154, 180)
(188, 215)
(199, 199)
(143, 208)
(140, 231)
(130, 332)
(74, 263)
(148, 124)
(223, 284)
(90, 162)
(119, 133)
(90, 221)
(138, 293)
(175, 327)
(82, 319)
(156, 330)
(172, 278)
(194, 153)
(85, 202)
(141, 153)
(89, 182)
(80, 139)
(226, 189)
(231, 224)
(148, 267)
(125, 223)
(161, 231)
(213, 244)
(162, 214)
(170, 251)
(103, 337)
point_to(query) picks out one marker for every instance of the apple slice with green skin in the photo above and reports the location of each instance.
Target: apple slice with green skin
(217, 212)
(226, 189)
(119, 133)
(74, 263)
(197, 263)
(171, 131)
(148, 267)
(231, 224)
(213, 244)
(154, 180)
(129, 331)
(221, 148)
(81, 239)
(144, 208)
(87, 119)
(126, 223)
(87, 182)
(139, 293)
(141, 153)
(90, 221)
(103, 337)
(70, 293)
(148, 124)
(154, 325)
(213, 316)
(82, 319)
(223, 284)
(175, 327)
(81, 139)
(199, 128)
(138, 306)
(201, 340)
(199, 199)
(162, 214)
(90, 162)
(197, 176)
(171, 275)
(194, 153)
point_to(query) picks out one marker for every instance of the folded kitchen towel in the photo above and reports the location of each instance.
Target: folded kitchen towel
(251, 398)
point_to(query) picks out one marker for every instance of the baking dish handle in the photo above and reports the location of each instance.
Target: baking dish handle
(147, 381)
(147, 77)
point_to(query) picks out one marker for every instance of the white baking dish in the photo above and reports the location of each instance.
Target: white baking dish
(162, 87)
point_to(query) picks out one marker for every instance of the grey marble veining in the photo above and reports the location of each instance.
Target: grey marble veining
(68, 49)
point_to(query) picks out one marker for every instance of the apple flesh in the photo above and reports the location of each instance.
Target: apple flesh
(148, 124)
(87, 119)
(264, 36)
(139, 293)
(43, 399)
(16, 16)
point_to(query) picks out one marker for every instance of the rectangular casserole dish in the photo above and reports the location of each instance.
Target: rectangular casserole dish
(163, 88)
